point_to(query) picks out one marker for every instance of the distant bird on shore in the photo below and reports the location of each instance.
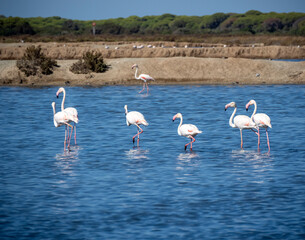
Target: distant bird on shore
(143, 77)
(72, 114)
(186, 130)
(240, 121)
(137, 119)
(59, 119)
(260, 120)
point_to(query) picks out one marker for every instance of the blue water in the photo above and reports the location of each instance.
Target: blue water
(106, 188)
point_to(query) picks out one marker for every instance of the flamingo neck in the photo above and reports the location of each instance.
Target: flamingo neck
(135, 75)
(181, 120)
(54, 111)
(63, 100)
(254, 111)
(231, 118)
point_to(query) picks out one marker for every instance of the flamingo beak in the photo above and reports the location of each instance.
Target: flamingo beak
(226, 107)
(247, 106)
(174, 118)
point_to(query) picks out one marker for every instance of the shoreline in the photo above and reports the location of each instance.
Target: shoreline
(166, 71)
(165, 62)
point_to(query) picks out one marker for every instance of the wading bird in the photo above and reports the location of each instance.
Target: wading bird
(240, 121)
(135, 118)
(143, 77)
(186, 130)
(59, 119)
(72, 113)
(260, 120)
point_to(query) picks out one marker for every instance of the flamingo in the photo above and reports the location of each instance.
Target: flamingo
(59, 119)
(186, 130)
(240, 121)
(135, 118)
(72, 113)
(143, 77)
(260, 120)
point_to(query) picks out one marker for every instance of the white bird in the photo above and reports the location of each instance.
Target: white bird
(260, 120)
(106, 46)
(186, 130)
(59, 119)
(240, 121)
(71, 112)
(137, 119)
(143, 77)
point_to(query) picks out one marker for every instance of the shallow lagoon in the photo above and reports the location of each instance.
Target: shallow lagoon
(107, 188)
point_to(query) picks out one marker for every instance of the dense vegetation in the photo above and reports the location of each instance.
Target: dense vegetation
(34, 62)
(91, 62)
(251, 22)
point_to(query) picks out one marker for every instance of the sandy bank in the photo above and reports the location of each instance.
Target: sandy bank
(65, 51)
(174, 70)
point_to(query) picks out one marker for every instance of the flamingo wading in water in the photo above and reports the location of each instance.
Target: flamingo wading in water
(143, 77)
(59, 119)
(240, 121)
(135, 118)
(186, 130)
(260, 120)
(71, 112)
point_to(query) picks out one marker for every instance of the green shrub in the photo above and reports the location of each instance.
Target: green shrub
(91, 62)
(34, 62)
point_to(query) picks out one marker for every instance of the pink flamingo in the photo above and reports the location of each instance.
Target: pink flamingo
(260, 120)
(59, 119)
(186, 130)
(71, 112)
(143, 77)
(135, 118)
(240, 121)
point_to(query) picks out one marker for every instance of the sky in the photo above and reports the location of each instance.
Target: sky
(101, 9)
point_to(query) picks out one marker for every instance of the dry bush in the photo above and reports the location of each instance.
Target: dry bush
(34, 62)
(91, 62)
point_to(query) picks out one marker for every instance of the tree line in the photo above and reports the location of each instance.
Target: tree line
(251, 22)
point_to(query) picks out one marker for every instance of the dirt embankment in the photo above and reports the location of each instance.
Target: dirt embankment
(175, 70)
(168, 63)
(65, 51)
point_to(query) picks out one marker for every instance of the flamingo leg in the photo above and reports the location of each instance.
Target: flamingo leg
(258, 139)
(70, 136)
(241, 139)
(137, 135)
(143, 88)
(75, 133)
(138, 141)
(65, 138)
(268, 140)
(147, 88)
(67, 130)
(193, 140)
